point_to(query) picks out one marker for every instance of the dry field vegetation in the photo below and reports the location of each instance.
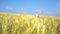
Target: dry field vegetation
(28, 24)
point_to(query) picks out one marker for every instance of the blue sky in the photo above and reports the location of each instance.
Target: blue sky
(45, 7)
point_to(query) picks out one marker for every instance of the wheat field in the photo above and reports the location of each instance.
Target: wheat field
(28, 24)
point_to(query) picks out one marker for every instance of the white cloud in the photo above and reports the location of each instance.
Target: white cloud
(49, 12)
(38, 11)
(58, 10)
(9, 8)
(22, 8)
(53, 12)
(23, 11)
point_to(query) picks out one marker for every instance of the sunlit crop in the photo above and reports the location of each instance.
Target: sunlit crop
(29, 24)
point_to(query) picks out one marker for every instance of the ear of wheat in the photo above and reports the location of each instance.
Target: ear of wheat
(28, 24)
